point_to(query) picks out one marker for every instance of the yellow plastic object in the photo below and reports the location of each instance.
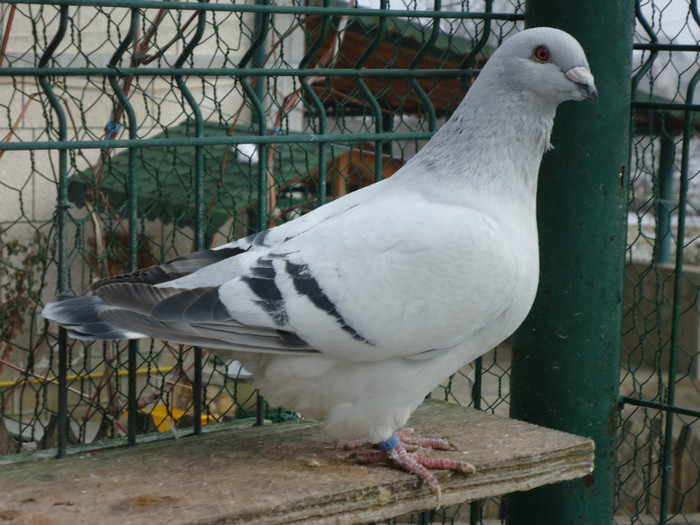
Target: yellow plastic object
(166, 418)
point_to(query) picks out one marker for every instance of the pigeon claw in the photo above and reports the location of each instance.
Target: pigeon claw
(406, 437)
(414, 463)
(417, 462)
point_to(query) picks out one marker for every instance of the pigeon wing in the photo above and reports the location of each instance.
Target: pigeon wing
(375, 280)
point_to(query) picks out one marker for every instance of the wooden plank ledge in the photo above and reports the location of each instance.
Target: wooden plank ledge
(287, 473)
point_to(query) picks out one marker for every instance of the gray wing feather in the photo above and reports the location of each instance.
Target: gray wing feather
(220, 336)
(139, 297)
(174, 268)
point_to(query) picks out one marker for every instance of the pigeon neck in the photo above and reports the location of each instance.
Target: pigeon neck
(493, 142)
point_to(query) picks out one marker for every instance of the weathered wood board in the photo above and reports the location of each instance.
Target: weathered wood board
(288, 473)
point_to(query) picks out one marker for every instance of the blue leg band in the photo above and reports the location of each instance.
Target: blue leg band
(386, 446)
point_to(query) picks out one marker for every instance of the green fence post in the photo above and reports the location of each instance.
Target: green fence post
(665, 202)
(566, 356)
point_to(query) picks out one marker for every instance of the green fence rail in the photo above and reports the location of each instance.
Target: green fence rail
(134, 131)
(659, 443)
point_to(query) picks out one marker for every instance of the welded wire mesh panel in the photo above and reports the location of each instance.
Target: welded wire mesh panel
(659, 447)
(135, 132)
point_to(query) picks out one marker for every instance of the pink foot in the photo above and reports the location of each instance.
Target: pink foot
(417, 461)
(406, 437)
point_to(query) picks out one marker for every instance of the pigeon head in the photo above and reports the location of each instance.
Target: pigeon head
(545, 62)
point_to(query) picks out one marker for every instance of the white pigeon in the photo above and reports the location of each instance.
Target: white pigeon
(357, 310)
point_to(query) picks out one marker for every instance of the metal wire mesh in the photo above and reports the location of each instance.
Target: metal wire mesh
(134, 132)
(658, 479)
(161, 130)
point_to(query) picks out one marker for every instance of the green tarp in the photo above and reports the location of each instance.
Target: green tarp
(166, 178)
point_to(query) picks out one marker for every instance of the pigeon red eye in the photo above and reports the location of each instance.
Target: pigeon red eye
(542, 53)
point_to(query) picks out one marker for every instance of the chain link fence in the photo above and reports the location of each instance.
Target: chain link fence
(135, 132)
(658, 477)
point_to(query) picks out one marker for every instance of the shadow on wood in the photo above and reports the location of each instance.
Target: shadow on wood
(287, 473)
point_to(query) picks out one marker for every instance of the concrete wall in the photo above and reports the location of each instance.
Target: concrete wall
(647, 325)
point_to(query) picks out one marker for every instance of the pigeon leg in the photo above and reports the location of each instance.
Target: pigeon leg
(417, 462)
(405, 435)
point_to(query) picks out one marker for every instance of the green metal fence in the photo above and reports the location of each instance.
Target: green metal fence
(659, 442)
(137, 130)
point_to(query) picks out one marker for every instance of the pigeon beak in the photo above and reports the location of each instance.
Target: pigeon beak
(581, 76)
